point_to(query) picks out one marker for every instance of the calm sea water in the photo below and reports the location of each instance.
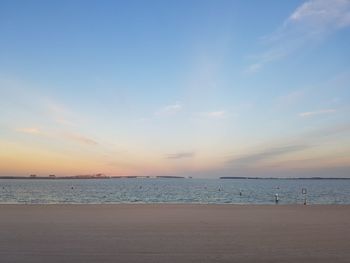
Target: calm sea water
(204, 191)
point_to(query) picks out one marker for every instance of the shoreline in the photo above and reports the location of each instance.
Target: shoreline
(174, 233)
(165, 177)
(174, 204)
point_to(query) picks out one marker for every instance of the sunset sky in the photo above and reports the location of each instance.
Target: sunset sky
(193, 88)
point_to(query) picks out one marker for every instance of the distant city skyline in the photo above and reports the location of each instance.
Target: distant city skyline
(175, 88)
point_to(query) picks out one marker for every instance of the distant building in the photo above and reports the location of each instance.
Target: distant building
(32, 176)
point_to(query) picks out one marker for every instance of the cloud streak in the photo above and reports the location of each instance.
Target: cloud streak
(269, 153)
(78, 138)
(170, 110)
(180, 155)
(28, 130)
(322, 15)
(312, 21)
(315, 113)
(337, 130)
(309, 140)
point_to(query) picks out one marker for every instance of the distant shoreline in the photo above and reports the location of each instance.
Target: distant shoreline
(291, 178)
(88, 177)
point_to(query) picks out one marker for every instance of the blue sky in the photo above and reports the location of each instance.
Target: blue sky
(201, 88)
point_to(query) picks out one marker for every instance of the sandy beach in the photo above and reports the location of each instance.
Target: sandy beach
(174, 233)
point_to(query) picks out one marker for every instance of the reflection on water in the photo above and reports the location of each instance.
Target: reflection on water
(213, 191)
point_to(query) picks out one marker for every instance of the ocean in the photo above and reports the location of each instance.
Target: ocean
(197, 191)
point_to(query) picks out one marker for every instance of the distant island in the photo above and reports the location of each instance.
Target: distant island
(170, 177)
(87, 176)
(288, 178)
(53, 177)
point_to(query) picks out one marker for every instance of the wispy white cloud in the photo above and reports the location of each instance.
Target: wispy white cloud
(79, 138)
(180, 155)
(215, 114)
(322, 15)
(254, 68)
(28, 130)
(170, 110)
(75, 137)
(312, 21)
(318, 112)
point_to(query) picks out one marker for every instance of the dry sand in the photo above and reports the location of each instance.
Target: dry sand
(174, 233)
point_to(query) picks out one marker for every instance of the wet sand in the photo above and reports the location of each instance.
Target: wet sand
(174, 233)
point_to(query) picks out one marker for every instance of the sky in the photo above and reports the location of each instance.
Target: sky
(187, 88)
